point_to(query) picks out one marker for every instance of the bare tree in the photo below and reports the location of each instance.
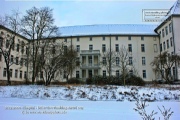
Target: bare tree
(125, 63)
(163, 63)
(108, 60)
(7, 41)
(70, 61)
(37, 24)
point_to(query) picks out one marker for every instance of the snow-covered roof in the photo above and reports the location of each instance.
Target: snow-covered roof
(108, 29)
(175, 9)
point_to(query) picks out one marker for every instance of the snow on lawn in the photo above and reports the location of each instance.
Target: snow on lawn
(94, 93)
(84, 102)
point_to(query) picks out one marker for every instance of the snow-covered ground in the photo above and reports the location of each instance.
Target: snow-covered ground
(84, 102)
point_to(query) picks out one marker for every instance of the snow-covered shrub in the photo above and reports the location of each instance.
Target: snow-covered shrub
(135, 80)
(73, 81)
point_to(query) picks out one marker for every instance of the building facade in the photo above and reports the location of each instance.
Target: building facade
(143, 42)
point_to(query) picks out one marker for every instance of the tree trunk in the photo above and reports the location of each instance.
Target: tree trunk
(8, 76)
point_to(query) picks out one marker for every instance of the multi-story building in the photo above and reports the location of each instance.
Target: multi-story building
(143, 42)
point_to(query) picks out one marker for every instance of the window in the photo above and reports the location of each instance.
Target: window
(129, 37)
(116, 37)
(142, 37)
(103, 37)
(117, 47)
(143, 61)
(20, 75)
(65, 49)
(104, 60)
(17, 47)
(142, 48)
(164, 45)
(167, 42)
(103, 47)
(166, 28)
(78, 48)
(17, 60)
(155, 48)
(171, 41)
(90, 47)
(104, 73)
(117, 73)
(130, 61)
(130, 47)
(144, 73)
(41, 74)
(162, 32)
(161, 47)
(53, 50)
(90, 60)
(65, 39)
(16, 73)
(22, 47)
(21, 62)
(90, 38)
(170, 28)
(11, 72)
(12, 58)
(77, 74)
(130, 72)
(4, 72)
(117, 60)
(77, 61)
(78, 39)
(25, 74)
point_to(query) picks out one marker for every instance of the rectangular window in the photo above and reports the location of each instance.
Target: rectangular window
(16, 73)
(65, 39)
(161, 47)
(130, 47)
(171, 41)
(142, 37)
(90, 47)
(117, 47)
(21, 62)
(104, 60)
(4, 72)
(117, 73)
(11, 72)
(155, 48)
(103, 47)
(103, 37)
(77, 74)
(90, 38)
(116, 37)
(162, 32)
(78, 39)
(17, 47)
(12, 58)
(166, 30)
(104, 73)
(144, 73)
(142, 48)
(25, 74)
(129, 37)
(167, 42)
(78, 48)
(90, 60)
(17, 60)
(170, 28)
(130, 61)
(164, 45)
(143, 61)
(117, 60)
(20, 74)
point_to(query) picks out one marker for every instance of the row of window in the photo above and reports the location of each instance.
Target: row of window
(166, 30)
(116, 47)
(166, 44)
(103, 38)
(16, 73)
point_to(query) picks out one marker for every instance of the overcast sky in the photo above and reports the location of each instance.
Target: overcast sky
(88, 12)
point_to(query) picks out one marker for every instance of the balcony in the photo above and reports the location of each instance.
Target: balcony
(90, 66)
(90, 52)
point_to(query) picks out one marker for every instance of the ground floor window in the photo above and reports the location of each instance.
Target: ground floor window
(144, 73)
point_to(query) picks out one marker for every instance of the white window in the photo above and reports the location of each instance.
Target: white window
(90, 47)
(144, 73)
(143, 61)
(130, 47)
(130, 61)
(104, 73)
(117, 73)
(142, 48)
(103, 48)
(117, 60)
(155, 48)
(78, 48)
(104, 60)
(117, 47)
